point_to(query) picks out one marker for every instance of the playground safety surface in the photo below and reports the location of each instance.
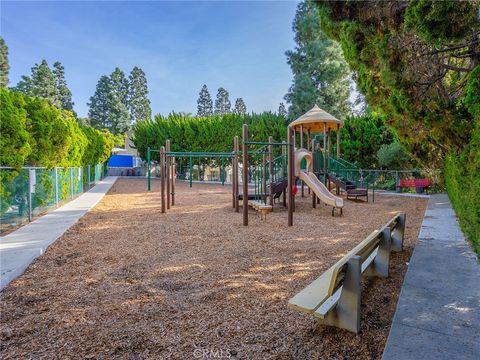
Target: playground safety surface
(129, 282)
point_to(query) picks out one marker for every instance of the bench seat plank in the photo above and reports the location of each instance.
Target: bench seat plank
(329, 304)
(314, 295)
(310, 298)
(326, 293)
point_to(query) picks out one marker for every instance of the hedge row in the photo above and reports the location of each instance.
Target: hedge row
(211, 134)
(361, 137)
(35, 133)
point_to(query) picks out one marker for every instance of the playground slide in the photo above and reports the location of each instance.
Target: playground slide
(320, 190)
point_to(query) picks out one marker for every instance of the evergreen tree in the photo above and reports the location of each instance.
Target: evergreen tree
(44, 85)
(24, 85)
(222, 102)
(282, 111)
(120, 85)
(119, 102)
(139, 103)
(4, 67)
(204, 103)
(99, 112)
(107, 110)
(47, 84)
(40, 84)
(240, 107)
(320, 73)
(119, 115)
(64, 93)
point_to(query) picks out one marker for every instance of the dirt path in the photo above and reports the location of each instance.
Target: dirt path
(130, 282)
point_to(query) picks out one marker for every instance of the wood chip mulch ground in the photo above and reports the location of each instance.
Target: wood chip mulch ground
(129, 282)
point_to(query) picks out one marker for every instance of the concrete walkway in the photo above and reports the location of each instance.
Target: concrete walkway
(438, 313)
(19, 248)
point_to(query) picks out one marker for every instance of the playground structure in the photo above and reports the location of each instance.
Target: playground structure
(269, 169)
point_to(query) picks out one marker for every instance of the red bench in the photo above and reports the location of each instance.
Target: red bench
(415, 183)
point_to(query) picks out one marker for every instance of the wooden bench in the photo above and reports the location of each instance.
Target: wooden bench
(415, 183)
(334, 298)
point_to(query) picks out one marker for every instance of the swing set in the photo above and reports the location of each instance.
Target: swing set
(263, 170)
(194, 166)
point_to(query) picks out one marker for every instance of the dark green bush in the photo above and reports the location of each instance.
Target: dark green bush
(462, 180)
(36, 133)
(211, 134)
(392, 156)
(361, 137)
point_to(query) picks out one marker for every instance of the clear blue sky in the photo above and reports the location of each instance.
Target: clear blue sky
(180, 46)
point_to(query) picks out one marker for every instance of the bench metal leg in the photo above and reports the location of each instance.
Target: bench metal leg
(398, 234)
(346, 314)
(381, 263)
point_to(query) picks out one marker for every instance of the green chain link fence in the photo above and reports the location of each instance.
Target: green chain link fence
(31, 191)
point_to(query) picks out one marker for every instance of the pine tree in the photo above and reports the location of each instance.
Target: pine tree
(44, 85)
(4, 67)
(119, 115)
(24, 85)
(320, 72)
(119, 102)
(204, 103)
(139, 103)
(120, 85)
(100, 112)
(240, 107)
(282, 111)
(222, 102)
(107, 110)
(41, 84)
(64, 93)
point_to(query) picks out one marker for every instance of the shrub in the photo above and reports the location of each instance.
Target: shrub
(392, 156)
(462, 180)
(15, 139)
(211, 134)
(362, 136)
(36, 133)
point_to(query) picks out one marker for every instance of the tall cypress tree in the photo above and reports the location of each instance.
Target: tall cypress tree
(222, 102)
(282, 111)
(119, 104)
(120, 85)
(64, 93)
(44, 85)
(24, 85)
(119, 116)
(108, 106)
(41, 83)
(47, 84)
(320, 72)
(4, 67)
(100, 112)
(139, 103)
(204, 103)
(240, 107)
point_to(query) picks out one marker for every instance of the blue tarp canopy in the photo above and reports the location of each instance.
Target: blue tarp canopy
(123, 161)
